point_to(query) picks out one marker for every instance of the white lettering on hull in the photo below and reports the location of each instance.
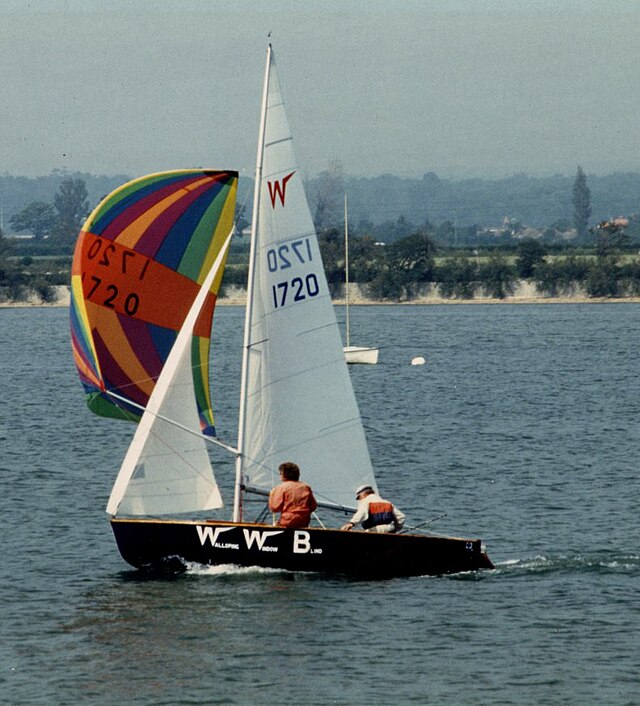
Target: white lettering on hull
(302, 543)
(211, 534)
(259, 538)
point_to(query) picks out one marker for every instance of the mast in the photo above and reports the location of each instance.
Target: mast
(346, 264)
(237, 499)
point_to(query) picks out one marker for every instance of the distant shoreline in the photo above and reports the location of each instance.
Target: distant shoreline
(236, 299)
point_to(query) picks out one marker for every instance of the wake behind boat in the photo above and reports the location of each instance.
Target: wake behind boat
(146, 273)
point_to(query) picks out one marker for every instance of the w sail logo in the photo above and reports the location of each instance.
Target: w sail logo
(278, 189)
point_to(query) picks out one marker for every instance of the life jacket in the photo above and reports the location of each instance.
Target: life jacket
(380, 513)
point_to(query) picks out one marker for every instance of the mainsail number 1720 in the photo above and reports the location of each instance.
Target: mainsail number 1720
(284, 257)
(295, 290)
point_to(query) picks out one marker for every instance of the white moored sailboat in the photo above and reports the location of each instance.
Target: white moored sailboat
(353, 354)
(296, 400)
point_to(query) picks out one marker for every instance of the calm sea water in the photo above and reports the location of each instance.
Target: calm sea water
(522, 427)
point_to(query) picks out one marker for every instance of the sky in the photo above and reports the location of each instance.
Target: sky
(462, 88)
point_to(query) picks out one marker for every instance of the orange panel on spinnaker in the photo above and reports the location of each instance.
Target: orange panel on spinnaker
(137, 267)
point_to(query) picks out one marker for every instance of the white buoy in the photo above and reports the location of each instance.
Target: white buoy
(419, 360)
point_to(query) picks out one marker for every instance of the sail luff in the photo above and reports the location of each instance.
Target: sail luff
(153, 413)
(237, 507)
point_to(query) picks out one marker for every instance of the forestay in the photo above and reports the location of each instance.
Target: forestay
(299, 403)
(167, 468)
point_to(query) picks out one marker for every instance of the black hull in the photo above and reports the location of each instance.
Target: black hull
(158, 544)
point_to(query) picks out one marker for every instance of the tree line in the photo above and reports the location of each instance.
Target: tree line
(402, 261)
(385, 201)
(393, 261)
(59, 221)
(54, 227)
(407, 268)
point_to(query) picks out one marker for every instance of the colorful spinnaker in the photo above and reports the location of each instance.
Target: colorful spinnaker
(138, 264)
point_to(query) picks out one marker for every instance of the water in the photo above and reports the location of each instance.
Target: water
(522, 427)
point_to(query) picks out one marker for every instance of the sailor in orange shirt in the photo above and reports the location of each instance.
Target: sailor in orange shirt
(292, 498)
(375, 513)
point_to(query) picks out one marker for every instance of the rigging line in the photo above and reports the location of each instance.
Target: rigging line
(153, 378)
(249, 309)
(423, 524)
(323, 500)
(273, 474)
(134, 383)
(263, 514)
(210, 439)
(176, 453)
(137, 383)
(327, 502)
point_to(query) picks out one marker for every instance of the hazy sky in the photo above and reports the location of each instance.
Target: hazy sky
(458, 87)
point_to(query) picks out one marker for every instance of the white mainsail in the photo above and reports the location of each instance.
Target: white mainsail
(167, 468)
(298, 403)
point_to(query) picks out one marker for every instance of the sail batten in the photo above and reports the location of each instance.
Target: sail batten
(277, 142)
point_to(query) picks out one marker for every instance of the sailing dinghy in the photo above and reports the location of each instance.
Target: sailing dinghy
(146, 273)
(365, 355)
